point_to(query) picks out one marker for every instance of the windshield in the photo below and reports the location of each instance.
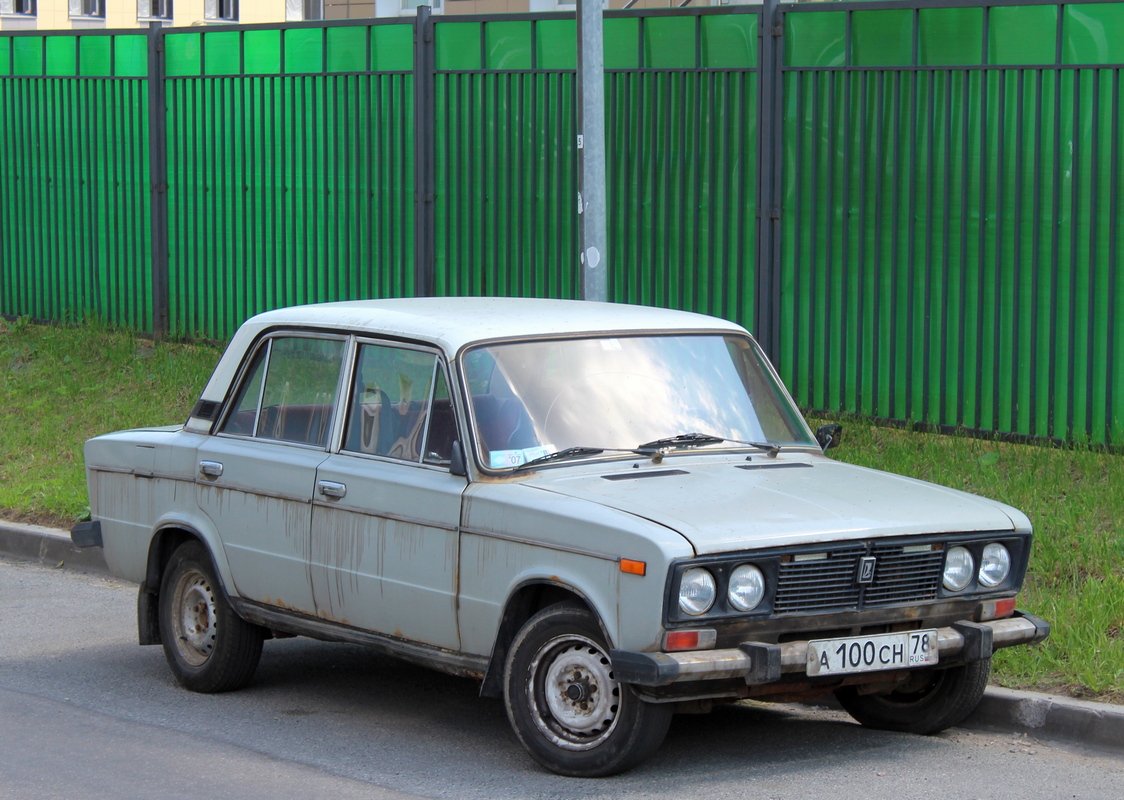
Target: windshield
(531, 399)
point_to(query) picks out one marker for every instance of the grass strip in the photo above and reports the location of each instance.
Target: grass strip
(61, 385)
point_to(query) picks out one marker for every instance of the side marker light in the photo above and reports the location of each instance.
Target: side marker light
(634, 567)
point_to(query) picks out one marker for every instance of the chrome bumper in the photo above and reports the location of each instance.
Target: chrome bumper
(759, 663)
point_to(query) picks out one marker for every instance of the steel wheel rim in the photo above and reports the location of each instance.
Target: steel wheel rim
(193, 617)
(575, 700)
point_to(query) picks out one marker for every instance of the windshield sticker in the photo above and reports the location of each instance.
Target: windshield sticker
(504, 459)
(610, 344)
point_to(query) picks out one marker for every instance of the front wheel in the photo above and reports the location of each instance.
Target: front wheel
(929, 703)
(565, 704)
(208, 647)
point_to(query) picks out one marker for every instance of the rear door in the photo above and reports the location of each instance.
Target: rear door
(257, 473)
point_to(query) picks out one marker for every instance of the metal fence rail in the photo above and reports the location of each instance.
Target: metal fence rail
(915, 204)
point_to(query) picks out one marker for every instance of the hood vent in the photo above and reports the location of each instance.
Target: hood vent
(797, 465)
(656, 473)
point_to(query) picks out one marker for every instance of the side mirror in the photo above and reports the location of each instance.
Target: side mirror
(829, 436)
(456, 461)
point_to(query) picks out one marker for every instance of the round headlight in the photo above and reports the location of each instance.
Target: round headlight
(958, 569)
(995, 565)
(696, 591)
(747, 587)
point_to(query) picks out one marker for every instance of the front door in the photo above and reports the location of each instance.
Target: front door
(385, 518)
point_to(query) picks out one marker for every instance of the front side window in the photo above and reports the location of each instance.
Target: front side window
(289, 391)
(400, 406)
(530, 399)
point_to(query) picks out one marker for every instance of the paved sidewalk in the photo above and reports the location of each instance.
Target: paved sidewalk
(1047, 718)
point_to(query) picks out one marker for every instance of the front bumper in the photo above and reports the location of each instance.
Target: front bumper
(758, 663)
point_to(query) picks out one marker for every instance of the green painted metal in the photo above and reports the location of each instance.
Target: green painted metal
(681, 122)
(74, 232)
(952, 231)
(951, 227)
(290, 162)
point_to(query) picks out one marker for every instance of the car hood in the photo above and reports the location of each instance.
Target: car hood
(719, 504)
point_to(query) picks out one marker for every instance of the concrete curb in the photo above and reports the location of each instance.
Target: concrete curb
(1050, 718)
(1047, 718)
(48, 546)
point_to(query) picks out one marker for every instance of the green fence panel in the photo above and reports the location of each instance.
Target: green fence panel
(681, 122)
(505, 217)
(287, 188)
(951, 230)
(74, 235)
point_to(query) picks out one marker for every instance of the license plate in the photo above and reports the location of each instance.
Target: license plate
(872, 653)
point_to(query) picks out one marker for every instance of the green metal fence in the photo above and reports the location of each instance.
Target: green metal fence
(290, 169)
(74, 210)
(681, 123)
(914, 204)
(951, 215)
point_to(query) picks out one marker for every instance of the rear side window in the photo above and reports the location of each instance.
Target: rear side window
(289, 392)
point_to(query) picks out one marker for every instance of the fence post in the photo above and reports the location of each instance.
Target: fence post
(158, 181)
(769, 130)
(425, 283)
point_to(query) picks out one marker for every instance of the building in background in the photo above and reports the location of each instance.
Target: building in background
(86, 14)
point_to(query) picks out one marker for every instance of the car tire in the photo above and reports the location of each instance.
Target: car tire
(928, 704)
(209, 648)
(564, 703)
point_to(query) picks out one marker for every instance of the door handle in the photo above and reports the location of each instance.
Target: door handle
(332, 489)
(210, 469)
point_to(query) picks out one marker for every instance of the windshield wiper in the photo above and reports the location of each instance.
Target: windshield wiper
(700, 439)
(569, 452)
(578, 452)
(682, 440)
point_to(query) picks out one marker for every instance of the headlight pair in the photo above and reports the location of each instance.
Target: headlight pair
(698, 590)
(960, 566)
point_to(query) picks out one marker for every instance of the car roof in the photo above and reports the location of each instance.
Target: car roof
(451, 323)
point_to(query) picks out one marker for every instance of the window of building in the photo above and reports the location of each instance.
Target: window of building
(365, 9)
(87, 8)
(411, 6)
(221, 10)
(24, 8)
(154, 9)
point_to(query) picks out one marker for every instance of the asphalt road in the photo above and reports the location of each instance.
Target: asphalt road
(86, 713)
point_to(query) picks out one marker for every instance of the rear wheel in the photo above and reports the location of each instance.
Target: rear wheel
(208, 647)
(929, 703)
(565, 704)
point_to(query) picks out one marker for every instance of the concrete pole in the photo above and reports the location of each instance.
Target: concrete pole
(592, 195)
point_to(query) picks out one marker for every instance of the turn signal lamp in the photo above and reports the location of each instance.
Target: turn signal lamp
(997, 609)
(677, 641)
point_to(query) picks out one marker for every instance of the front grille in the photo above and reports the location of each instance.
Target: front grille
(828, 580)
(821, 583)
(904, 577)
